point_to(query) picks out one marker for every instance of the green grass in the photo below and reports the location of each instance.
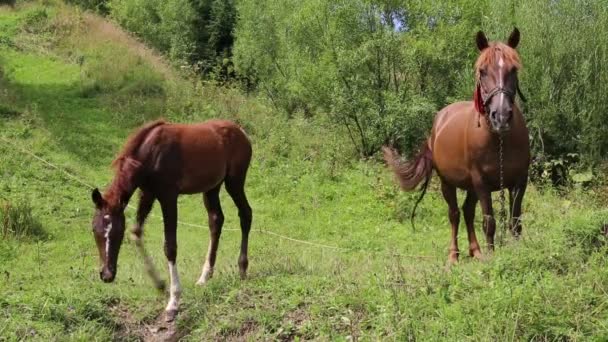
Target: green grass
(388, 282)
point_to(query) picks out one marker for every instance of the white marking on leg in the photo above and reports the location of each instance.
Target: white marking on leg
(207, 272)
(175, 290)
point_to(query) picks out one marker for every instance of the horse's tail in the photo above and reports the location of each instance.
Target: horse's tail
(412, 172)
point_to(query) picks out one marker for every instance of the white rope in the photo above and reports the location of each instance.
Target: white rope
(70, 175)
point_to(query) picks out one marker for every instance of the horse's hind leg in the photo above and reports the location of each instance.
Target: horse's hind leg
(449, 194)
(236, 189)
(216, 220)
(468, 209)
(516, 196)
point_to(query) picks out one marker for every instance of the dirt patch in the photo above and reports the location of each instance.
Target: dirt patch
(157, 329)
(293, 325)
(244, 332)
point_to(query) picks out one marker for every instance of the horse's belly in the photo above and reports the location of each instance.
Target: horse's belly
(203, 183)
(457, 177)
(450, 164)
(202, 177)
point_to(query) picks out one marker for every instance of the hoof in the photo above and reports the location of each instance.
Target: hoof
(476, 253)
(170, 315)
(243, 275)
(453, 258)
(204, 279)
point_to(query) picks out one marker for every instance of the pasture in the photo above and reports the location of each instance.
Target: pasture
(331, 253)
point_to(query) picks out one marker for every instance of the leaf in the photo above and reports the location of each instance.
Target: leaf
(582, 177)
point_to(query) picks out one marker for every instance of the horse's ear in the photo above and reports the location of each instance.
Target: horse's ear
(481, 40)
(514, 38)
(97, 198)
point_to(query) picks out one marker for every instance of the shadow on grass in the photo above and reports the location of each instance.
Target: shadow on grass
(82, 125)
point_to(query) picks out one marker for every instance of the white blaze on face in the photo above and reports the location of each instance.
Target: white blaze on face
(501, 65)
(107, 235)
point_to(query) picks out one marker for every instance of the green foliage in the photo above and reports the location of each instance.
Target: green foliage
(99, 6)
(166, 25)
(382, 68)
(8, 2)
(213, 35)
(197, 32)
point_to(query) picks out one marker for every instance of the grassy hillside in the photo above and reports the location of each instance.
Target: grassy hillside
(72, 88)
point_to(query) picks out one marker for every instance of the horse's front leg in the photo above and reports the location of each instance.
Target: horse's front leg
(489, 224)
(169, 208)
(516, 196)
(146, 201)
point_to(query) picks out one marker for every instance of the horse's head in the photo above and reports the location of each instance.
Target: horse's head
(109, 230)
(496, 73)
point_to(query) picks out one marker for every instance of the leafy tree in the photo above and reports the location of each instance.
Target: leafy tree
(381, 68)
(192, 32)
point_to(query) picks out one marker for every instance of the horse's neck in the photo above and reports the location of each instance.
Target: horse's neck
(121, 189)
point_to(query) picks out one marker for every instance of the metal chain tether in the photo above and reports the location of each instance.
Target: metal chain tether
(502, 215)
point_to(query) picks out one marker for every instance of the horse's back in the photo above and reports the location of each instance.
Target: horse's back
(204, 152)
(219, 136)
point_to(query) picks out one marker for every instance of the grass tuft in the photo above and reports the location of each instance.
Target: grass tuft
(18, 222)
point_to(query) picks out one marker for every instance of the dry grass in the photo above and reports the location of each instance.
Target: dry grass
(101, 30)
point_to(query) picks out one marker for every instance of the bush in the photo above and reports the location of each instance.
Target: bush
(99, 6)
(8, 2)
(18, 222)
(382, 68)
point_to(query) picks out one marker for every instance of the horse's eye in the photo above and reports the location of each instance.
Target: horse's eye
(482, 72)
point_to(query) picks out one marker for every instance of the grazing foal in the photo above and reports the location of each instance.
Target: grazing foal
(479, 146)
(165, 160)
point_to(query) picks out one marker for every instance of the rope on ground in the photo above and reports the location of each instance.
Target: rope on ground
(33, 155)
(81, 182)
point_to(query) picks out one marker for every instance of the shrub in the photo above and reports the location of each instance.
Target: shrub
(8, 2)
(99, 6)
(382, 68)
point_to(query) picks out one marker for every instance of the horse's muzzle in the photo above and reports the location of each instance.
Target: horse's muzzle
(502, 129)
(107, 276)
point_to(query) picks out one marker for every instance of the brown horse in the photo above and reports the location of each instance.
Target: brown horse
(466, 152)
(165, 160)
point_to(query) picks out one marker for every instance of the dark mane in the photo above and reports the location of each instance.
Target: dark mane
(126, 166)
(133, 143)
